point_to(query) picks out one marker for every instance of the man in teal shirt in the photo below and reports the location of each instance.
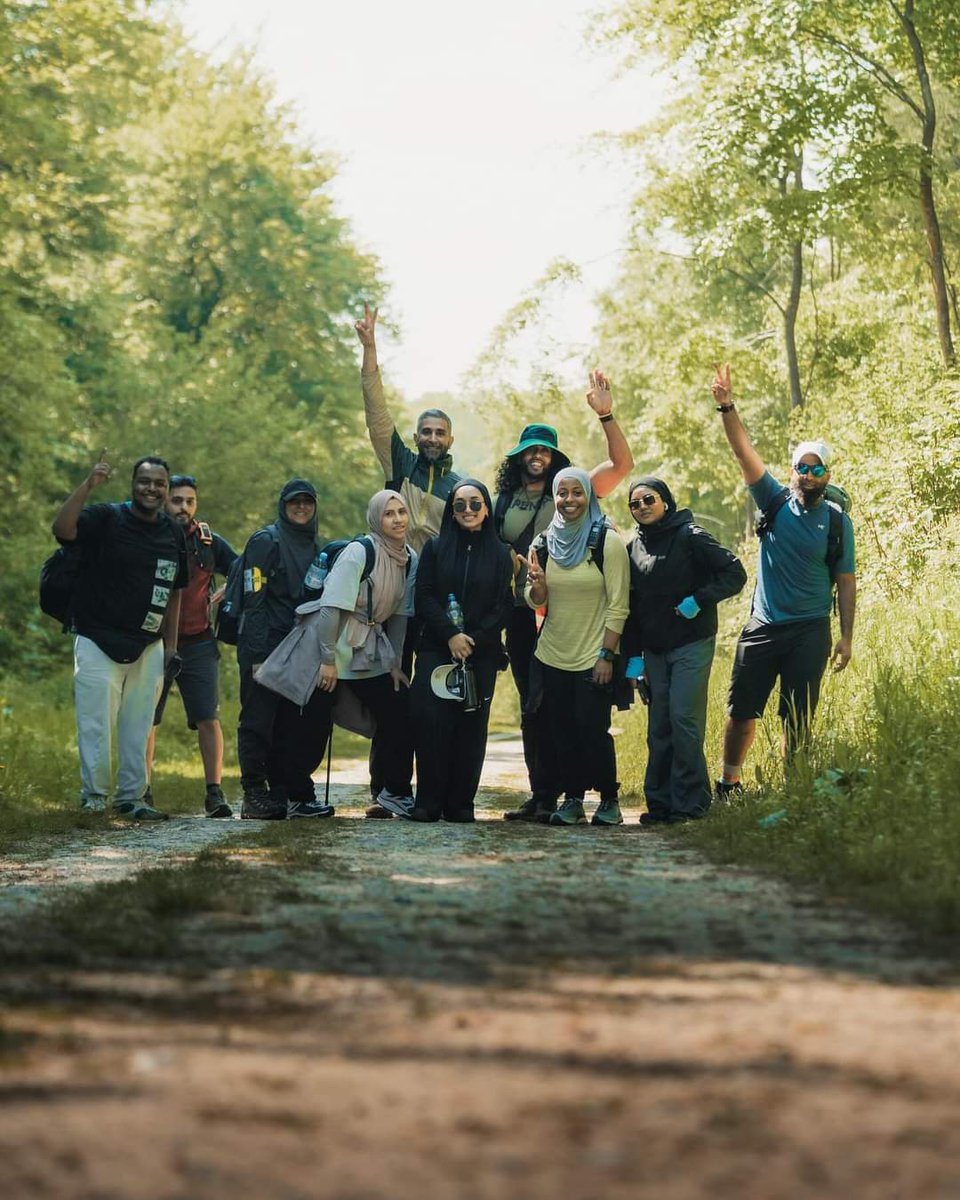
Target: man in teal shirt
(788, 635)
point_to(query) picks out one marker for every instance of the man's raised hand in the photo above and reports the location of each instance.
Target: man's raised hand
(600, 398)
(101, 471)
(366, 327)
(721, 388)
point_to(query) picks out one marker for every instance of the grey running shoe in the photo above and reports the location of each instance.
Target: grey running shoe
(259, 805)
(93, 803)
(308, 808)
(138, 810)
(570, 812)
(608, 813)
(215, 803)
(401, 806)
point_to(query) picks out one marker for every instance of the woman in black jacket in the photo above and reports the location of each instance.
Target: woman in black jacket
(271, 729)
(678, 574)
(469, 562)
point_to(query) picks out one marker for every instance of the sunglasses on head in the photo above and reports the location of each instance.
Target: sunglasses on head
(649, 500)
(817, 471)
(461, 506)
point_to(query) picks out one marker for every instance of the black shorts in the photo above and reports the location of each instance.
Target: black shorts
(198, 682)
(796, 651)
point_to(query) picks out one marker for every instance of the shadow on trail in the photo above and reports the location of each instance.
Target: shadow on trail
(491, 903)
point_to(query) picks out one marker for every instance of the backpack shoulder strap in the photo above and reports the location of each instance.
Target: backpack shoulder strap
(595, 542)
(834, 537)
(371, 554)
(765, 520)
(539, 547)
(501, 504)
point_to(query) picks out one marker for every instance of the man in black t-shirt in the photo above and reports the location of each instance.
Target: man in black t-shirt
(126, 606)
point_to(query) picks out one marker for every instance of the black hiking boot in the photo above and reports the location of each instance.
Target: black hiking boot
(259, 805)
(536, 811)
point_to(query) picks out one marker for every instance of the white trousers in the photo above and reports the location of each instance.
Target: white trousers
(109, 694)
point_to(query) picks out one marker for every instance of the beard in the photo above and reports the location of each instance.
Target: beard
(811, 495)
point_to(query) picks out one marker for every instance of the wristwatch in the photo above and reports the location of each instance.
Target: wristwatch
(605, 654)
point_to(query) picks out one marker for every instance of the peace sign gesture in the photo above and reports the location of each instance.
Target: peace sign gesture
(535, 577)
(367, 327)
(721, 387)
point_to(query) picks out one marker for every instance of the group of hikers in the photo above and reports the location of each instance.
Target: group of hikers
(400, 633)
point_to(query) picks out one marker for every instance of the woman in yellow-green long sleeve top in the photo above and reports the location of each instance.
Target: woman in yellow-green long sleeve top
(586, 594)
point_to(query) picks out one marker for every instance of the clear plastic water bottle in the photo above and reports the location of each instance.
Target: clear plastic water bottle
(316, 572)
(454, 611)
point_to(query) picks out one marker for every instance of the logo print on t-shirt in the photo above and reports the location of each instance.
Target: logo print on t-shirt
(151, 622)
(166, 569)
(160, 596)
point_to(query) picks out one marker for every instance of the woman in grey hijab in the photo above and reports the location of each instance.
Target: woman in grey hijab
(356, 637)
(578, 572)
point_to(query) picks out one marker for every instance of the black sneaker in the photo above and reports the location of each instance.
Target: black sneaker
(215, 803)
(651, 819)
(535, 810)
(308, 808)
(725, 792)
(259, 805)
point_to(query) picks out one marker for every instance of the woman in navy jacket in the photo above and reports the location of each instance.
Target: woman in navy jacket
(678, 574)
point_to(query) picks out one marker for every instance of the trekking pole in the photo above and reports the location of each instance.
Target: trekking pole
(326, 798)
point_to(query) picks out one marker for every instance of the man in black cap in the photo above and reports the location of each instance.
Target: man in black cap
(275, 738)
(522, 509)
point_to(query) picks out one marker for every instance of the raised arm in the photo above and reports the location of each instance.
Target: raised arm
(606, 475)
(751, 464)
(386, 442)
(65, 522)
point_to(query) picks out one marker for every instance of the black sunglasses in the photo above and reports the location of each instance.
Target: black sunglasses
(461, 506)
(817, 470)
(649, 500)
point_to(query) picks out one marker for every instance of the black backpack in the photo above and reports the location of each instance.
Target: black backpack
(230, 616)
(837, 501)
(59, 576)
(321, 568)
(230, 612)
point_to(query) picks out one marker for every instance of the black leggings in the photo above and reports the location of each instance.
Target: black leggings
(521, 643)
(451, 743)
(575, 716)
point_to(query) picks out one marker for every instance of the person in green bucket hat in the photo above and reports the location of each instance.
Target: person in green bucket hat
(523, 508)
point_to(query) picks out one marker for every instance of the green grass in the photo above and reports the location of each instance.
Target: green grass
(891, 840)
(133, 919)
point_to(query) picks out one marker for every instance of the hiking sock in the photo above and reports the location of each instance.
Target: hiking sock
(731, 773)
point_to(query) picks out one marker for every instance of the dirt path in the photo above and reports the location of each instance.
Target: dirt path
(475, 1011)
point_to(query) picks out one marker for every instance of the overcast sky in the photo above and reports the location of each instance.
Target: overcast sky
(464, 137)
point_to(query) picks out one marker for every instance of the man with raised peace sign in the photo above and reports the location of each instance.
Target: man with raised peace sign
(801, 559)
(126, 605)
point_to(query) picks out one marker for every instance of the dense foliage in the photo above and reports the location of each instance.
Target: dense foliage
(173, 280)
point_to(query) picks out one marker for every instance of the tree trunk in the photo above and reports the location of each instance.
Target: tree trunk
(792, 307)
(928, 207)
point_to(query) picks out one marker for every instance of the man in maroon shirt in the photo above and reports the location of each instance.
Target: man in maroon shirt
(208, 555)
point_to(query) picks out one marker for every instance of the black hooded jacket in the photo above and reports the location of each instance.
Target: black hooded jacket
(478, 569)
(668, 562)
(276, 559)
